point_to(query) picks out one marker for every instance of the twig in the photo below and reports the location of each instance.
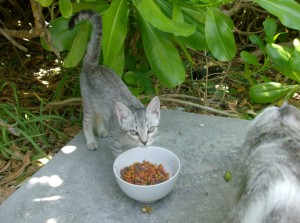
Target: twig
(246, 33)
(13, 41)
(39, 22)
(181, 96)
(198, 106)
(63, 103)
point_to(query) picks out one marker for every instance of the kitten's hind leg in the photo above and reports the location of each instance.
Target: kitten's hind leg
(89, 132)
(100, 126)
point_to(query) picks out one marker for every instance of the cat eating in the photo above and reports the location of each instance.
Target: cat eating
(109, 108)
(269, 171)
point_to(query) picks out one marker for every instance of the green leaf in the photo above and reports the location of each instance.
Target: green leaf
(219, 36)
(177, 14)
(119, 62)
(197, 40)
(255, 39)
(288, 11)
(249, 58)
(62, 37)
(270, 28)
(294, 62)
(269, 92)
(130, 77)
(162, 55)
(114, 33)
(278, 54)
(45, 3)
(78, 47)
(280, 57)
(153, 14)
(65, 8)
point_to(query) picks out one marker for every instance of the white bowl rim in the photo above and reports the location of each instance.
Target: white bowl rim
(154, 185)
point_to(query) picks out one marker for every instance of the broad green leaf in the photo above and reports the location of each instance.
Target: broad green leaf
(269, 92)
(196, 40)
(153, 14)
(288, 11)
(294, 62)
(198, 15)
(78, 47)
(114, 33)
(249, 58)
(270, 28)
(45, 3)
(65, 7)
(177, 14)
(61, 37)
(98, 6)
(162, 55)
(219, 36)
(278, 54)
(280, 57)
(119, 62)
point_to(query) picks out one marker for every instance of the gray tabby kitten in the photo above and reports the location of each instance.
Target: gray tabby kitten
(270, 169)
(109, 108)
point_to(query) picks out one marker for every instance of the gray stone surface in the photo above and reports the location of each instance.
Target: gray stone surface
(78, 186)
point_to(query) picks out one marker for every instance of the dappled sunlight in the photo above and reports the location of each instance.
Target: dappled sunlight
(52, 181)
(68, 149)
(42, 73)
(52, 220)
(52, 198)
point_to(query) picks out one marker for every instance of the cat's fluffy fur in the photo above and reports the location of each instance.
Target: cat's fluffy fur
(109, 108)
(269, 171)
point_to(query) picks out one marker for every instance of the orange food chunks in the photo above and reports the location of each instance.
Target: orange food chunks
(144, 173)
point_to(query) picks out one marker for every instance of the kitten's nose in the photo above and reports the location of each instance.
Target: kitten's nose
(144, 142)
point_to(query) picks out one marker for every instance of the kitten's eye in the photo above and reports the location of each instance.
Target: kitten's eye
(133, 132)
(151, 129)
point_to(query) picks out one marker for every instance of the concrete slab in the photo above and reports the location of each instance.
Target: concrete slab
(78, 185)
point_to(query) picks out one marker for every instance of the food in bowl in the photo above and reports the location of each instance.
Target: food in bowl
(144, 173)
(155, 155)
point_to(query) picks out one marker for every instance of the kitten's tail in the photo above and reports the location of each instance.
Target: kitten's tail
(93, 51)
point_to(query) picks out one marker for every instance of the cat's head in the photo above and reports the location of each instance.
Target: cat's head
(274, 123)
(139, 125)
(286, 115)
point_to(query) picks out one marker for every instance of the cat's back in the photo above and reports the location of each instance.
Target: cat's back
(268, 175)
(104, 84)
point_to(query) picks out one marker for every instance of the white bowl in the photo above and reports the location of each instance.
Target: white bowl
(155, 155)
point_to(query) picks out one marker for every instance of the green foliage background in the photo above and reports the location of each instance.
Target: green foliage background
(168, 29)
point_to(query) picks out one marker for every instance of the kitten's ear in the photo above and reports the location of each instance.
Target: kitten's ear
(154, 107)
(122, 112)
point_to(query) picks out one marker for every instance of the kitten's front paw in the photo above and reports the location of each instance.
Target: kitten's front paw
(92, 145)
(102, 134)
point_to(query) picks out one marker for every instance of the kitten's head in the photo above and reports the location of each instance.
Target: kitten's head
(139, 125)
